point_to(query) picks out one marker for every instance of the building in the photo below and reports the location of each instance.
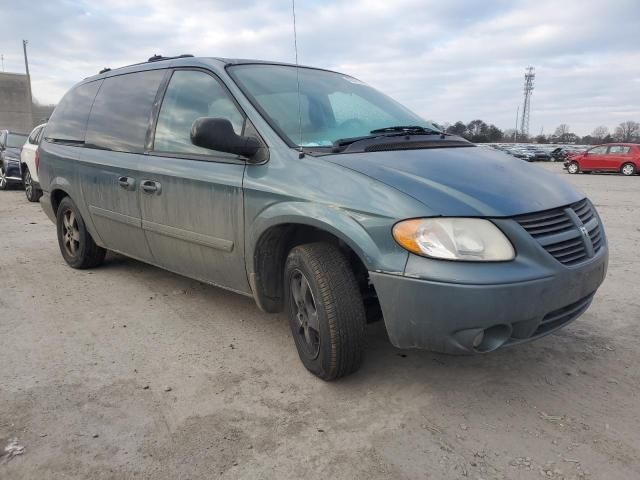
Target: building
(16, 112)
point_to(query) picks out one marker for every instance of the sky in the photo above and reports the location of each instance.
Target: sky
(447, 60)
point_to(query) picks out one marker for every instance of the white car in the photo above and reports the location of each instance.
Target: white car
(28, 164)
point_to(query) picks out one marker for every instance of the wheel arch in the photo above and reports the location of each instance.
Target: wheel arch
(274, 233)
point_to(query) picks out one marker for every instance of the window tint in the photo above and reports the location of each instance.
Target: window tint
(618, 150)
(191, 95)
(598, 151)
(69, 119)
(121, 111)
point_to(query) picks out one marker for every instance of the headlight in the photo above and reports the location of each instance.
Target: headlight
(466, 239)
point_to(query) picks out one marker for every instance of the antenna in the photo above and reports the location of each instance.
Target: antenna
(295, 46)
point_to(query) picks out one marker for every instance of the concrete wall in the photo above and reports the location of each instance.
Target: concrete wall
(15, 107)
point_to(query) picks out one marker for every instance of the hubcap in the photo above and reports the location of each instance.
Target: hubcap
(627, 169)
(573, 168)
(3, 179)
(70, 233)
(306, 314)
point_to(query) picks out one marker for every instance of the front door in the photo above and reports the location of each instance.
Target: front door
(595, 158)
(109, 168)
(191, 197)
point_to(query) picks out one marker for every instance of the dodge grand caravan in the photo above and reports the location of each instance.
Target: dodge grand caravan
(319, 196)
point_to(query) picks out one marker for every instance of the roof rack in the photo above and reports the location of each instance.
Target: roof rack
(154, 58)
(157, 58)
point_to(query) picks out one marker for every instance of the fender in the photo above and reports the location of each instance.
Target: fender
(349, 226)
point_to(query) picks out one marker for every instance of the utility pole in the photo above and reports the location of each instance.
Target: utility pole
(26, 67)
(515, 132)
(2, 58)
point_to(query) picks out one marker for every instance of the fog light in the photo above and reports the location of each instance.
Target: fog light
(477, 340)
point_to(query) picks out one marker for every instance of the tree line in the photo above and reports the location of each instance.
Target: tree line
(478, 131)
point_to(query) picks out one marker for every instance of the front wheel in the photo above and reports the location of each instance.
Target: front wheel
(4, 183)
(628, 169)
(32, 193)
(325, 309)
(573, 167)
(76, 245)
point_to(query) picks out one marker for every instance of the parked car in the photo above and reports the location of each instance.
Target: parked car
(539, 155)
(346, 207)
(612, 157)
(10, 146)
(29, 164)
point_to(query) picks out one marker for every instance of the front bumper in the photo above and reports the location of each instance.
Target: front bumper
(449, 313)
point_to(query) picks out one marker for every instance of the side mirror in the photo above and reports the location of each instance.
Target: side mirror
(217, 134)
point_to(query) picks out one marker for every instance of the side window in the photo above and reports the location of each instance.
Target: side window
(39, 137)
(33, 138)
(69, 119)
(598, 150)
(190, 95)
(618, 150)
(122, 110)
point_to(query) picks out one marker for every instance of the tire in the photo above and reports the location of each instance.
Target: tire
(31, 192)
(628, 169)
(573, 168)
(76, 245)
(4, 183)
(331, 303)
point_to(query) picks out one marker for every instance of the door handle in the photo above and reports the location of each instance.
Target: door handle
(127, 183)
(149, 186)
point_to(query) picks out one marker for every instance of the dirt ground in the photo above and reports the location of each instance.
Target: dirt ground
(128, 371)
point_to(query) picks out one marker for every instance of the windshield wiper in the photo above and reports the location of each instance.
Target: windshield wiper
(407, 129)
(396, 131)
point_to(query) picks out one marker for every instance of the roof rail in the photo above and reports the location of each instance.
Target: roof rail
(104, 70)
(157, 58)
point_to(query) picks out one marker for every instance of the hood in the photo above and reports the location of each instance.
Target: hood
(469, 181)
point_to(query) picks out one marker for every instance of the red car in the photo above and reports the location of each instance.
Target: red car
(612, 157)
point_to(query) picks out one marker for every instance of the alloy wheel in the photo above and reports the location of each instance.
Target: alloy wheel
(71, 233)
(28, 184)
(573, 168)
(3, 180)
(306, 313)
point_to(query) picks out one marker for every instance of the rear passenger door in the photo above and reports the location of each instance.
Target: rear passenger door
(109, 167)
(191, 197)
(617, 156)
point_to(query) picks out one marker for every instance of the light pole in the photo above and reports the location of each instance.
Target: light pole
(26, 67)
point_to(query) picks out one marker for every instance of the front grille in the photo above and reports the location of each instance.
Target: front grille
(558, 231)
(555, 319)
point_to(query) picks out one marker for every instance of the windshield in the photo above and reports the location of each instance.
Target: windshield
(332, 106)
(15, 140)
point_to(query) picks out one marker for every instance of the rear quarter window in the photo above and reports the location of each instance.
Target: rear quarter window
(69, 120)
(121, 112)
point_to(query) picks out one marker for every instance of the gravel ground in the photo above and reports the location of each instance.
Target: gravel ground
(129, 371)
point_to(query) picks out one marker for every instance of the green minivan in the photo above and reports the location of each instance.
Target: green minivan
(319, 196)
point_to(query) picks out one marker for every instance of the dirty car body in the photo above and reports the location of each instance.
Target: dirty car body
(320, 174)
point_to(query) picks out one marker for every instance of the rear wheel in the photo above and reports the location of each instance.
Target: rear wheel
(628, 169)
(573, 167)
(76, 245)
(32, 193)
(325, 309)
